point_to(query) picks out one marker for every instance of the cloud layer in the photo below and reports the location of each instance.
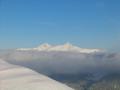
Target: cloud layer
(65, 62)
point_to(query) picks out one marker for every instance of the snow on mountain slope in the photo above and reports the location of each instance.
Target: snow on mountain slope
(66, 47)
(19, 78)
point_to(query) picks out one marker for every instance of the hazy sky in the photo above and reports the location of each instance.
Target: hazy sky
(87, 23)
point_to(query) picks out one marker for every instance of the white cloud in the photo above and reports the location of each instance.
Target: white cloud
(65, 62)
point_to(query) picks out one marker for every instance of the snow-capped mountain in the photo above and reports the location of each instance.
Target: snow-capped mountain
(14, 77)
(65, 47)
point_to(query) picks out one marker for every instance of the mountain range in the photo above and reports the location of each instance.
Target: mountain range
(65, 47)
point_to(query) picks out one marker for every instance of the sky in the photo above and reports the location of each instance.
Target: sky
(86, 23)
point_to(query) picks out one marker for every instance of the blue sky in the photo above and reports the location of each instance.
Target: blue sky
(87, 23)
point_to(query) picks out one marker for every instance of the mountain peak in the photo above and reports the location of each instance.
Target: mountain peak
(67, 47)
(45, 45)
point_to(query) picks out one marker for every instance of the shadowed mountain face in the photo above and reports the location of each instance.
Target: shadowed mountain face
(77, 69)
(88, 82)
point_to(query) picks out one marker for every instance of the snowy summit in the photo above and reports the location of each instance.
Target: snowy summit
(67, 47)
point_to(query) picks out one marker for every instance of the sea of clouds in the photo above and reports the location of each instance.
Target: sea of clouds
(64, 62)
